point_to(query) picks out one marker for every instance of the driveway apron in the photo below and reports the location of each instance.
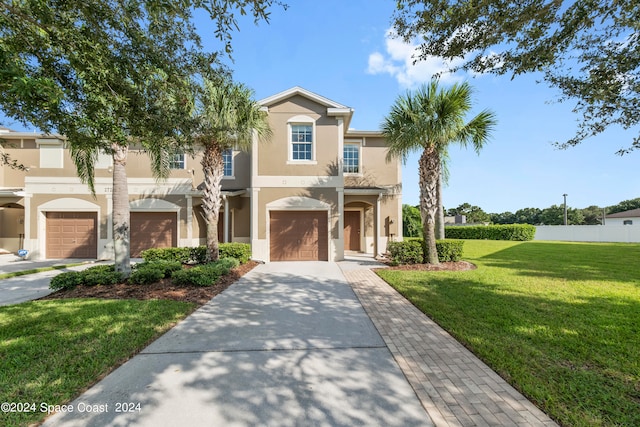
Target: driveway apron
(287, 345)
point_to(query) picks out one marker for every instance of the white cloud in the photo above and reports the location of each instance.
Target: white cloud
(398, 61)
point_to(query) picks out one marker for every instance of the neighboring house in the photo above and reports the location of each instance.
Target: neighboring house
(631, 217)
(316, 190)
(455, 219)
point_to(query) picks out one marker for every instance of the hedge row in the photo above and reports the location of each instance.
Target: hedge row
(198, 255)
(159, 264)
(92, 276)
(410, 251)
(146, 273)
(520, 232)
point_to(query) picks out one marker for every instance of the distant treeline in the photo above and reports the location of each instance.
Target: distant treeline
(553, 215)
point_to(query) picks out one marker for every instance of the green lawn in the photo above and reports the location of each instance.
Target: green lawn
(559, 321)
(50, 351)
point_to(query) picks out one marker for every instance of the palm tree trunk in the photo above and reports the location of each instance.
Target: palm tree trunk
(213, 168)
(440, 213)
(429, 170)
(120, 197)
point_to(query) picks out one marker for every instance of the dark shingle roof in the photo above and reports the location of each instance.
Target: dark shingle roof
(633, 213)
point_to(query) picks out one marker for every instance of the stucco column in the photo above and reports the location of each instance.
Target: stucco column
(226, 218)
(109, 217)
(253, 233)
(190, 219)
(27, 223)
(340, 190)
(376, 250)
(340, 242)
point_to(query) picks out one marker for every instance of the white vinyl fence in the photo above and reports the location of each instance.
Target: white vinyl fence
(589, 233)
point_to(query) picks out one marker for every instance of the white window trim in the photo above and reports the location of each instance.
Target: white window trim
(104, 161)
(51, 155)
(184, 161)
(301, 120)
(359, 145)
(233, 166)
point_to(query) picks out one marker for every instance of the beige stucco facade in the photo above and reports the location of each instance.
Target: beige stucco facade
(302, 168)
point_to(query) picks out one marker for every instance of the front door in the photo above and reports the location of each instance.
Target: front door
(352, 230)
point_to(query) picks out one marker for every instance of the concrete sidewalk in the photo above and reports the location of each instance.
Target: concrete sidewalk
(287, 345)
(10, 263)
(31, 286)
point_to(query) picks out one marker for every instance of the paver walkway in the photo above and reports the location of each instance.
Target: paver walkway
(454, 386)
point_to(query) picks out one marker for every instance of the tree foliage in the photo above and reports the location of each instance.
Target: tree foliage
(411, 222)
(108, 74)
(227, 117)
(554, 214)
(429, 120)
(625, 205)
(473, 214)
(588, 49)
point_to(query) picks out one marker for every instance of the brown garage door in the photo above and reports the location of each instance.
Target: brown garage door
(72, 235)
(152, 230)
(298, 236)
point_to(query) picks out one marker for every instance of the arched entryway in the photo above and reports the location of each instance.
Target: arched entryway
(11, 227)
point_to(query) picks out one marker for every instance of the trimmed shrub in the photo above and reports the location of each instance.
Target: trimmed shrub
(224, 265)
(68, 280)
(196, 276)
(205, 274)
(191, 277)
(101, 275)
(405, 252)
(449, 250)
(239, 251)
(93, 276)
(167, 267)
(410, 251)
(182, 255)
(144, 276)
(519, 232)
(198, 254)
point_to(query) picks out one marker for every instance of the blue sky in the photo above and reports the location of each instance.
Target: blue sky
(341, 50)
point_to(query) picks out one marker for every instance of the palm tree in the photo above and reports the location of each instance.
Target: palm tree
(430, 120)
(228, 118)
(155, 128)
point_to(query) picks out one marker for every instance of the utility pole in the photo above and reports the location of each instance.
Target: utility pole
(565, 208)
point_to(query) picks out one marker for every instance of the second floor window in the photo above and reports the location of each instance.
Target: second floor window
(227, 161)
(301, 142)
(351, 158)
(176, 161)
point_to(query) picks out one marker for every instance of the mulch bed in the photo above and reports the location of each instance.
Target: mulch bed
(443, 266)
(163, 289)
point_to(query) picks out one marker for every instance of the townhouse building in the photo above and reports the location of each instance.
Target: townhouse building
(316, 190)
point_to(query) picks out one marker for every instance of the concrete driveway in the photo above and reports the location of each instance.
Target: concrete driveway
(32, 286)
(287, 345)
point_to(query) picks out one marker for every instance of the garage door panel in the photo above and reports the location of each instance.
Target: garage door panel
(71, 235)
(298, 236)
(152, 230)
